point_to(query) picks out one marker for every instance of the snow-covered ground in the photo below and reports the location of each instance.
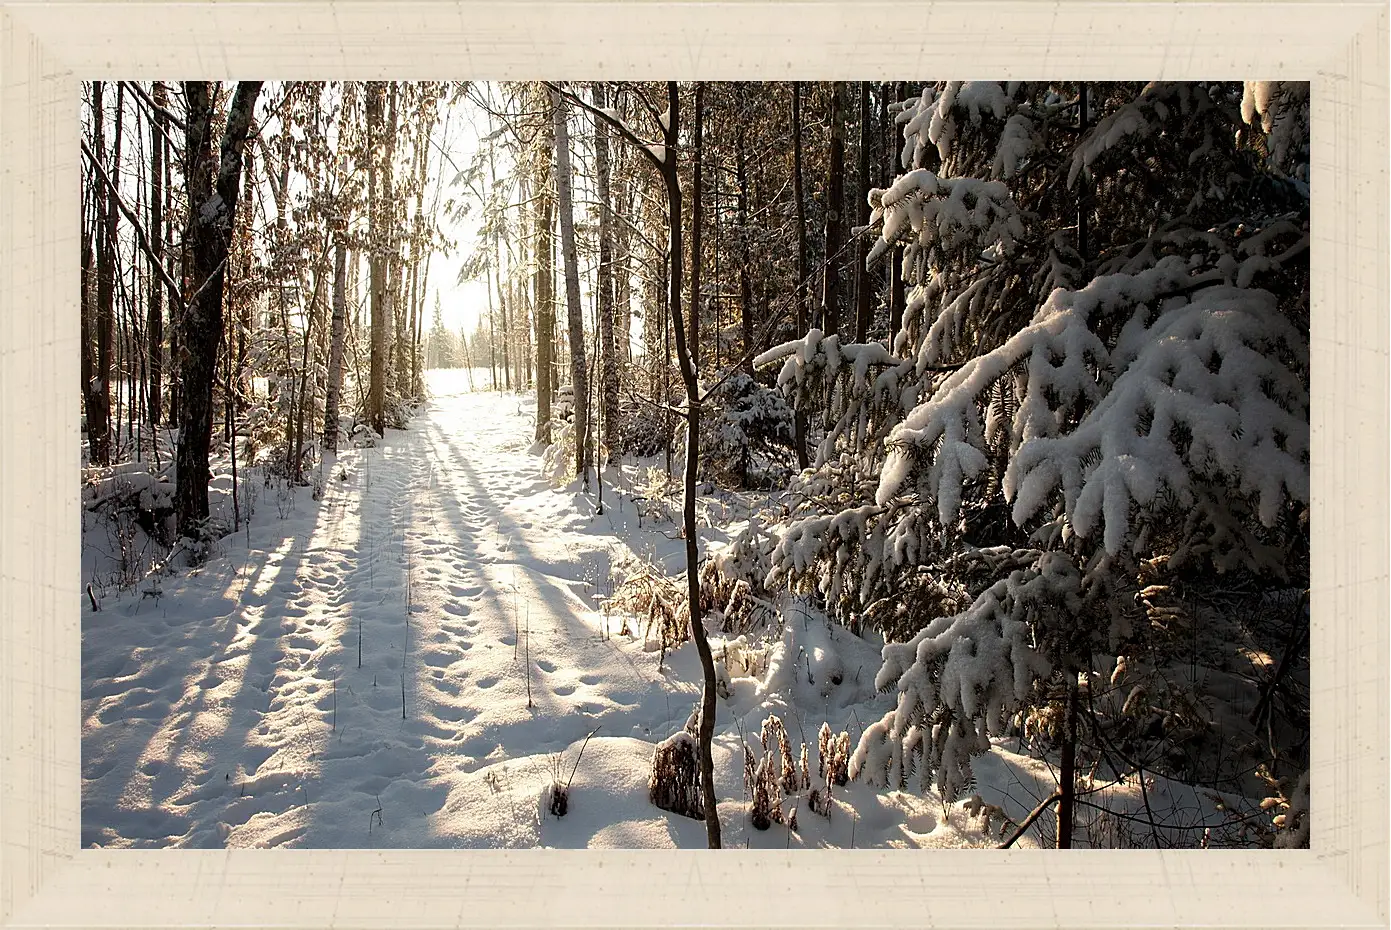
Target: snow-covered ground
(410, 660)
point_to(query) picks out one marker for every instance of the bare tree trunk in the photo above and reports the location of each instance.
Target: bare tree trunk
(376, 384)
(667, 165)
(501, 298)
(335, 351)
(522, 316)
(93, 210)
(835, 206)
(492, 335)
(99, 390)
(213, 188)
(411, 372)
(706, 728)
(741, 173)
(862, 285)
(622, 269)
(608, 360)
(799, 420)
(424, 289)
(897, 300)
(279, 183)
(579, 374)
(154, 325)
(506, 331)
(396, 270)
(697, 215)
(175, 310)
(308, 383)
(1067, 769)
(419, 245)
(545, 283)
(107, 331)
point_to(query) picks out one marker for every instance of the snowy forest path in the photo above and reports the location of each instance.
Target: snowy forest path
(393, 664)
(511, 639)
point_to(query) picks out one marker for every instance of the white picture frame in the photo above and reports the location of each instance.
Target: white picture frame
(47, 48)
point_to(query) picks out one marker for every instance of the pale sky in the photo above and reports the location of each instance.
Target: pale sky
(461, 304)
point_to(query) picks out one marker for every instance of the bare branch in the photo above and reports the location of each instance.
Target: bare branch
(617, 124)
(1029, 820)
(140, 235)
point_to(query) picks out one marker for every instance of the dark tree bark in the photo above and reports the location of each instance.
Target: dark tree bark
(799, 420)
(897, 300)
(746, 311)
(176, 308)
(213, 187)
(666, 163)
(94, 210)
(1067, 768)
(106, 329)
(862, 285)
(706, 728)
(835, 207)
(579, 373)
(88, 297)
(154, 324)
(697, 218)
(99, 387)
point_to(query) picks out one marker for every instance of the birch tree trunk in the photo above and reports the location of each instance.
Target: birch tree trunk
(622, 268)
(338, 321)
(395, 272)
(579, 374)
(608, 360)
(335, 345)
(521, 315)
(545, 284)
(376, 380)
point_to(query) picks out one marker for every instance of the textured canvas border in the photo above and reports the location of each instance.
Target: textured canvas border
(47, 48)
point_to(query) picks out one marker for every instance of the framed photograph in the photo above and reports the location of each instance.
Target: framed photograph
(673, 463)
